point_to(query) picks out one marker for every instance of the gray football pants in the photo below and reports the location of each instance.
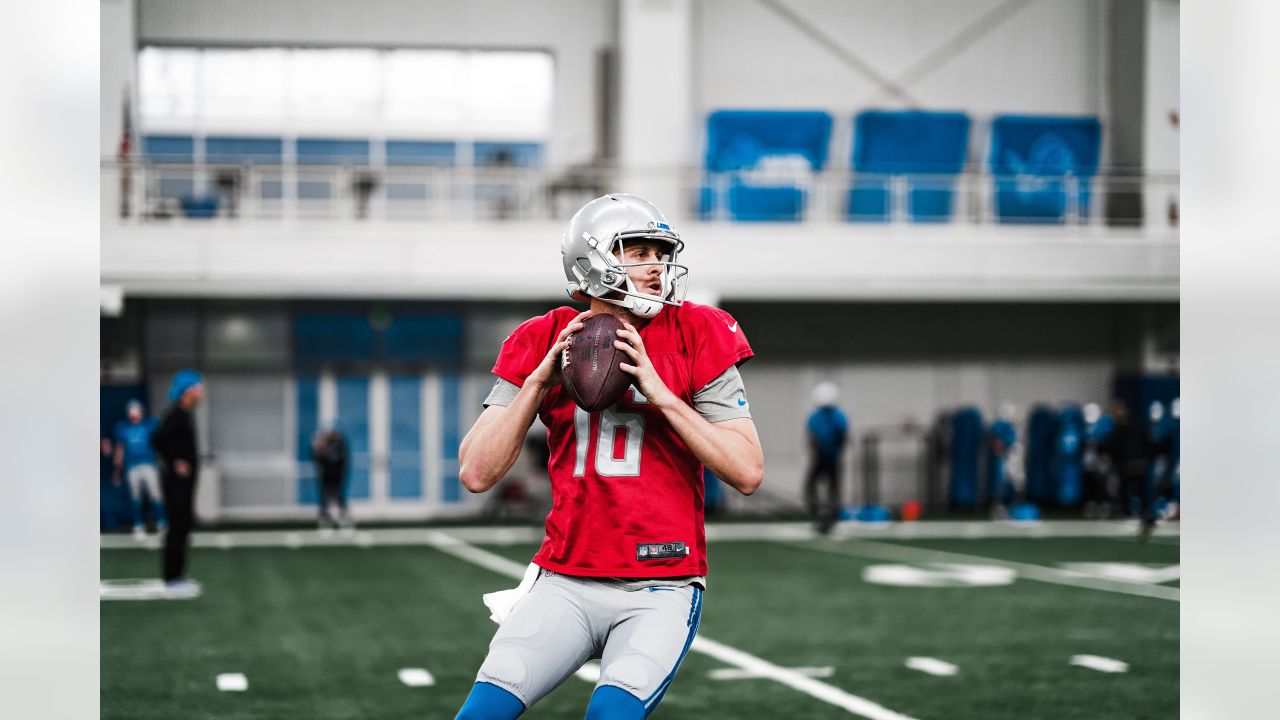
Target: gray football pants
(639, 635)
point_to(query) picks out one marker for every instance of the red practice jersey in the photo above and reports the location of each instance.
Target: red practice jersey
(627, 491)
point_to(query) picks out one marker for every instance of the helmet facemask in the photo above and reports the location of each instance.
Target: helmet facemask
(672, 275)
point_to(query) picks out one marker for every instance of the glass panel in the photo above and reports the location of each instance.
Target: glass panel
(332, 90)
(247, 340)
(243, 88)
(167, 87)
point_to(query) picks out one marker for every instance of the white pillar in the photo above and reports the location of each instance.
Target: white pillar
(1160, 135)
(379, 438)
(117, 75)
(655, 48)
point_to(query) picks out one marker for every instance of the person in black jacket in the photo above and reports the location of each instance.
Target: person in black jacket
(330, 451)
(175, 442)
(1128, 449)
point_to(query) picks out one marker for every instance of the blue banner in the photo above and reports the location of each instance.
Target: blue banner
(925, 147)
(758, 162)
(1042, 166)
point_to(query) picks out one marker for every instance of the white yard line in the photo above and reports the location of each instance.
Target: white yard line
(807, 685)
(724, 532)
(738, 674)
(143, 589)
(902, 553)
(416, 677)
(232, 682)
(932, 666)
(701, 644)
(1134, 572)
(1101, 664)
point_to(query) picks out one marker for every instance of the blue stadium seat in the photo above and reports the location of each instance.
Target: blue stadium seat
(199, 206)
(927, 149)
(757, 162)
(1042, 166)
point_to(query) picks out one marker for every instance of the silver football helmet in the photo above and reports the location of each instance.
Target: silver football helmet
(592, 252)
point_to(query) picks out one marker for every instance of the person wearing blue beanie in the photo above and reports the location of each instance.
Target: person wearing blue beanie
(184, 380)
(175, 442)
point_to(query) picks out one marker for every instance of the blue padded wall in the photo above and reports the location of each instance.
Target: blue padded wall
(308, 404)
(319, 339)
(1042, 428)
(450, 436)
(353, 421)
(428, 338)
(1068, 457)
(966, 452)
(405, 461)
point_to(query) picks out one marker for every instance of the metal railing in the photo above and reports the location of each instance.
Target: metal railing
(158, 192)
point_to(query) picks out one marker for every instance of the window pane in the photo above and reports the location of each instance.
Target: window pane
(508, 94)
(243, 89)
(424, 92)
(413, 95)
(167, 88)
(335, 90)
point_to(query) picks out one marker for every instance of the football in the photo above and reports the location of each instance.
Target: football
(589, 366)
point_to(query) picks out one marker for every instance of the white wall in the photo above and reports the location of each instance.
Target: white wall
(521, 261)
(572, 30)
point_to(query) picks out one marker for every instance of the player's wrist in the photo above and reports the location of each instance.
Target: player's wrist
(664, 400)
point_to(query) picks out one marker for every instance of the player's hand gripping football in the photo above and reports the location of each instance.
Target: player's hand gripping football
(641, 368)
(548, 372)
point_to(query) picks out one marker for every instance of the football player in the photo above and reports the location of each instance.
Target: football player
(623, 566)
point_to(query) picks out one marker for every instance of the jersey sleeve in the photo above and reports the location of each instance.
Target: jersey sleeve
(503, 393)
(524, 348)
(719, 343)
(724, 398)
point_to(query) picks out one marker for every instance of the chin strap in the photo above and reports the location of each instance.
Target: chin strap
(642, 307)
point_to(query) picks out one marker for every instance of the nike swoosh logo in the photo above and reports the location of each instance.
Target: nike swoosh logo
(742, 403)
(734, 327)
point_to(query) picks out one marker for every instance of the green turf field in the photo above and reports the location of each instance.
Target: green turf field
(322, 632)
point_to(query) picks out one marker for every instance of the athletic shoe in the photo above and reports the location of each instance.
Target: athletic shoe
(139, 533)
(182, 589)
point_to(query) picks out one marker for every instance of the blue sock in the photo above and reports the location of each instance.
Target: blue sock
(610, 702)
(490, 702)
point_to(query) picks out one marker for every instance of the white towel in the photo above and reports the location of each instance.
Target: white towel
(501, 603)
